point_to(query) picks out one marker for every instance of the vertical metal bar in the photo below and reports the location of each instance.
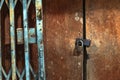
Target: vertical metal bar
(12, 38)
(26, 44)
(0, 49)
(84, 47)
(39, 29)
(1, 3)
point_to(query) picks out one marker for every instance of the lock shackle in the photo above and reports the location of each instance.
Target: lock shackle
(79, 42)
(82, 43)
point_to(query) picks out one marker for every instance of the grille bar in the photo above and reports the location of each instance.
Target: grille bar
(0, 49)
(12, 37)
(39, 29)
(1, 3)
(26, 43)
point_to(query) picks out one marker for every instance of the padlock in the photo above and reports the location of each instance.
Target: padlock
(79, 45)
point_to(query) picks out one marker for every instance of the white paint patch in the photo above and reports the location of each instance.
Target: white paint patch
(77, 18)
(97, 42)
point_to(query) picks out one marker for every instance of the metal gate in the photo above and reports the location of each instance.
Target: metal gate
(21, 36)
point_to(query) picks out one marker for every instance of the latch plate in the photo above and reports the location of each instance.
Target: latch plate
(31, 36)
(82, 42)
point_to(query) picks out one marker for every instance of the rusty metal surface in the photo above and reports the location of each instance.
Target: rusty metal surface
(103, 28)
(5, 38)
(62, 24)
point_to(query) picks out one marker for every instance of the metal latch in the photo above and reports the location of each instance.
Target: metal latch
(80, 43)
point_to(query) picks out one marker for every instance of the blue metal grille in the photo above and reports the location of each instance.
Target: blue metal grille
(25, 36)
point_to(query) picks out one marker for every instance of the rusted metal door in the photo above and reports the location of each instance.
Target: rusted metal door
(62, 25)
(103, 28)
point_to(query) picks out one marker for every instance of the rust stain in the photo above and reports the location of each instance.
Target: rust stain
(62, 24)
(103, 29)
(60, 31)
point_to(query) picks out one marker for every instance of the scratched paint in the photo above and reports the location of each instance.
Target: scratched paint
(26, 44)
(40, 44)
(12, 37)
(31, 36)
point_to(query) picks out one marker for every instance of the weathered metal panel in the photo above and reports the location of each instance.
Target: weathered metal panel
(62, 25)
(103, 28)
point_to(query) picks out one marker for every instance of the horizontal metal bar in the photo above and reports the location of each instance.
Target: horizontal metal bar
(20, 37)
(31, 35)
